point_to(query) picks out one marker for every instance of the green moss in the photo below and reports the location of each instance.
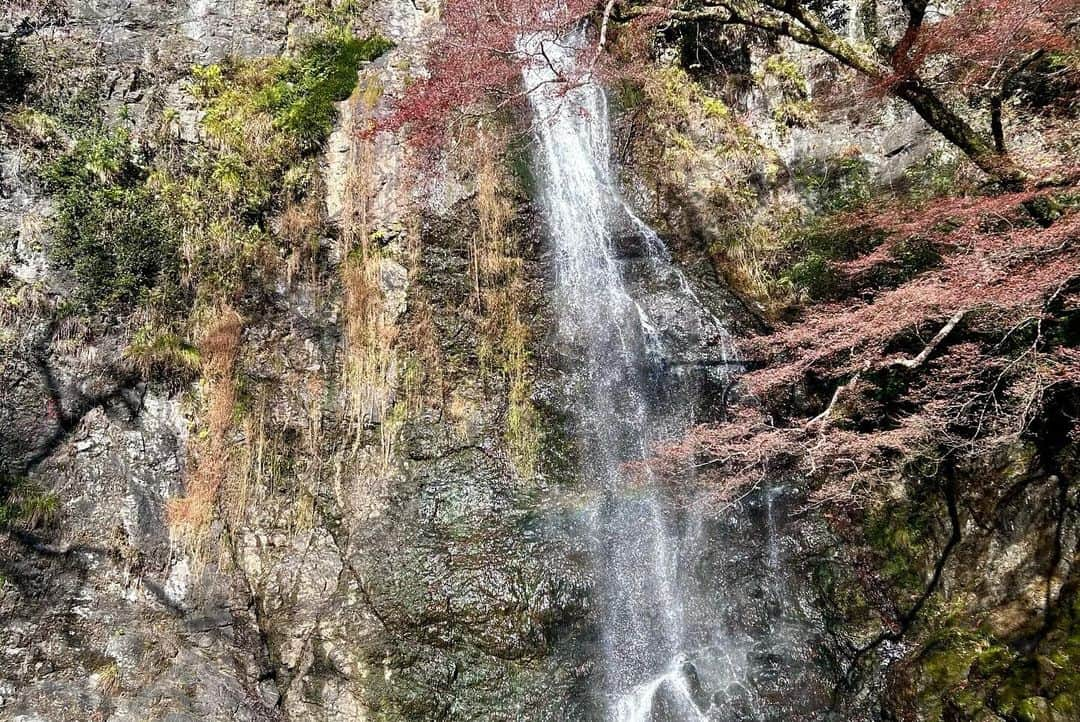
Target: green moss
(912, 255)
(809, 249)
(305, 89)
(36, 126)
(969, 670)
(798, 113)
(519, 159)
(899, 534)
(110, 228)
(793, 108)
(298, 94)
(783, 69)
(626, 95)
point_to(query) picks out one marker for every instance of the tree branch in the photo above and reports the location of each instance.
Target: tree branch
(840, 391)
(912, 363)
(930, 347)
(1004, 92)
(603, 30)
(789, 18)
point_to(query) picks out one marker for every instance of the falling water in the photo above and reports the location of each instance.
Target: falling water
(685, 602)
(627, 396)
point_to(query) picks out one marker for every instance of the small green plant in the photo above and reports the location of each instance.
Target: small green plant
(933, 177)
(108, 678)
(793, 108)
(305, 89)
(23, 504)
(297, 95)
(35, 126)
(814, 276)
(153, 348)
(913, 255)
(266, 116)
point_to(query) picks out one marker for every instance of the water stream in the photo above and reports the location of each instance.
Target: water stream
(684, 627)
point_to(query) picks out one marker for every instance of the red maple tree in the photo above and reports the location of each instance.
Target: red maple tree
(936, 67)
(475, 66)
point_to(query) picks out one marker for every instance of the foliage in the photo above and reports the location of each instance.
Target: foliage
(708, 171)
(979, 52)
(900, 535)
(936, 175)
(985, 40)
(266, 115)
(302, 90)
(835, 184)
(478, 62)
(110, 227)
(793, 108)
(153, 349)
(243, 203)
(179, 234)
(858, 357)
(500, 293)
(813, 275)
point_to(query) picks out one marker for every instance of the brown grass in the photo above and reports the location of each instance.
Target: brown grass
(190, 516)
(500, 291)
(300, 227)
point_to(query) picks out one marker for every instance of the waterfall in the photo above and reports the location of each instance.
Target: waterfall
(631, 389)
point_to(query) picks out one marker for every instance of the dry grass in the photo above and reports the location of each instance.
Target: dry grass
(107, 679)
(500, 291)
(190, 516)
(373, 358)
(300, 227)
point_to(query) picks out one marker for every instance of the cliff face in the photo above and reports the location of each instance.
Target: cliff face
(284, 426)
(366, 437)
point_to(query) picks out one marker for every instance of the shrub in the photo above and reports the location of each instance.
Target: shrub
(815, 276)
(914, 255)
(155, 349)
(933, 177)
(296, 94)
(14, 72)
(306, 87)
(835, 184)
(110, 228)
(792, 107)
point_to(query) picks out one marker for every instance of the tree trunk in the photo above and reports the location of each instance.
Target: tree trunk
(996, 127)
(979, 148)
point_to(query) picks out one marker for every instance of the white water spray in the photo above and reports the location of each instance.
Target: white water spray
(640, 540)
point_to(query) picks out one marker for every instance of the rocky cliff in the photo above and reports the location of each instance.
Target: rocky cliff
(283, 421)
